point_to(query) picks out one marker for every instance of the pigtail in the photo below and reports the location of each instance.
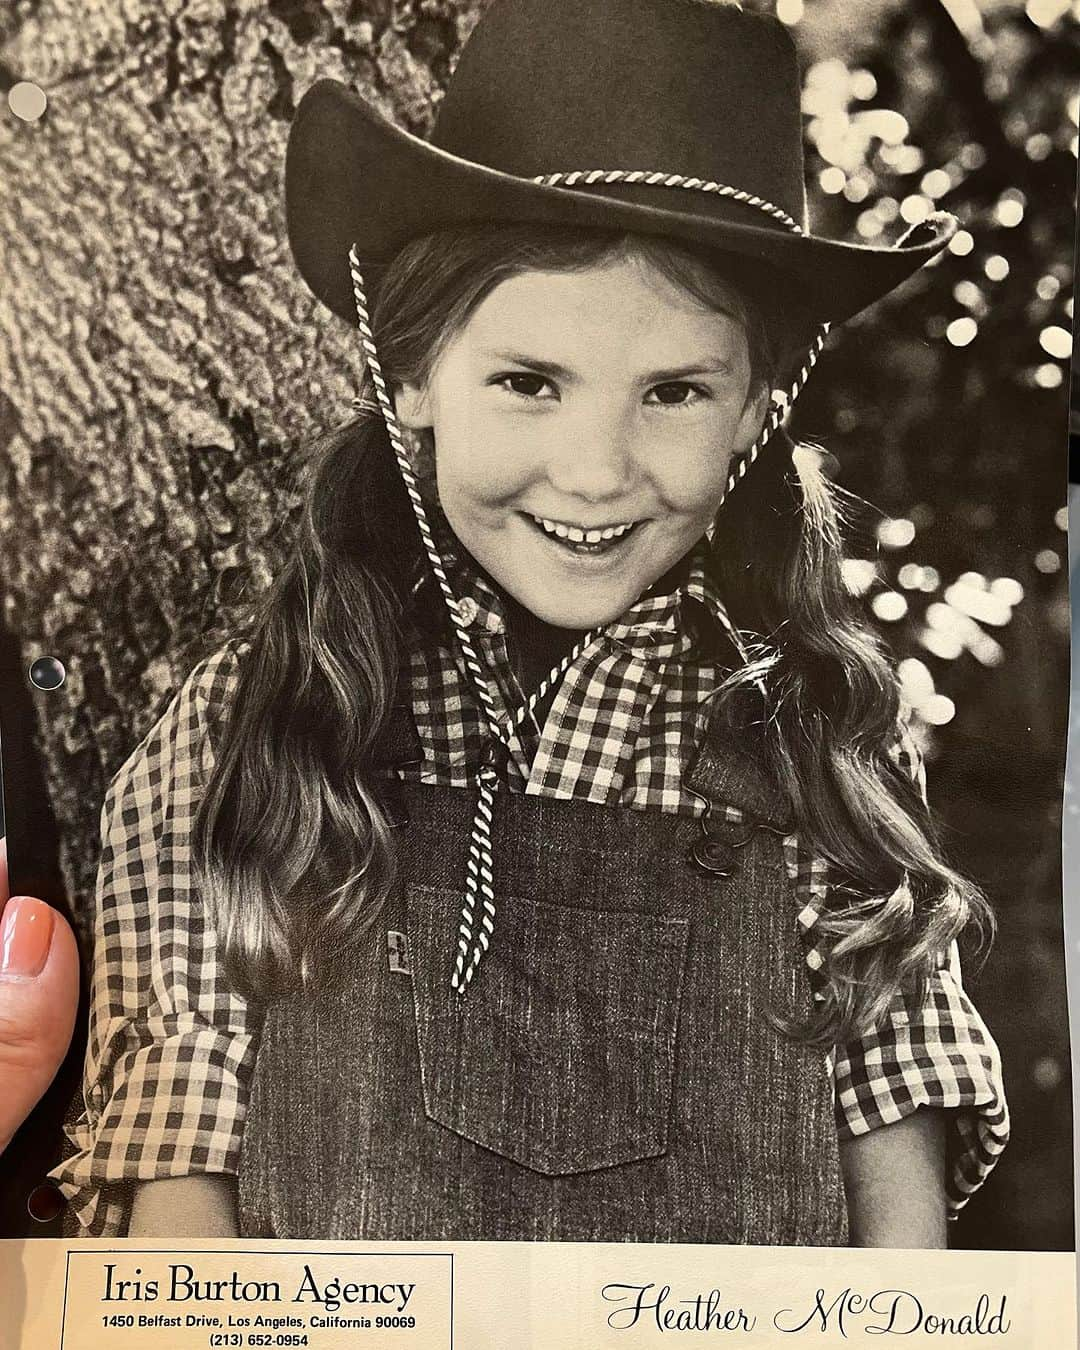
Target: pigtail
(826, 728)
(292, 847)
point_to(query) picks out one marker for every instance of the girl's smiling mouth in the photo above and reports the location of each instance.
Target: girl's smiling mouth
(582, 539)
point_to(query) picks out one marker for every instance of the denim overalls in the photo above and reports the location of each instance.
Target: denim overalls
(611, 1074)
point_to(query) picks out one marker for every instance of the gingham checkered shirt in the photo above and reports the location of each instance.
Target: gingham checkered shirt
(171, 1047)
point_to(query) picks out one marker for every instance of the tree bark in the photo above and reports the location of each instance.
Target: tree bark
(161, 361)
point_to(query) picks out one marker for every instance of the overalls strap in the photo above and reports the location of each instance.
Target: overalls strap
(727, 769)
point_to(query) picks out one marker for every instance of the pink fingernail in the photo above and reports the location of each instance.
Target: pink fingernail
(25, 937)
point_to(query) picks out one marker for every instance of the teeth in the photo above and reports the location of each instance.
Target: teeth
(576, 535)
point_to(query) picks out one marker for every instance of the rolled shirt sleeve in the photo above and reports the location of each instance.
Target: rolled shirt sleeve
(170, 1047)
(939, 1054)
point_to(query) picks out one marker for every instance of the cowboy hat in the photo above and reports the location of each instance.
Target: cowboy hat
(678, 118)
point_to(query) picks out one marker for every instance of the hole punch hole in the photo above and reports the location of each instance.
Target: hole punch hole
(45, 1203)
(47, 673)
(27, 101)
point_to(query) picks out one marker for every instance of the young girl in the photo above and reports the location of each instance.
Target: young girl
(549, 830)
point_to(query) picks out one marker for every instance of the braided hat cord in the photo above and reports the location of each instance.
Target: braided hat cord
(473, 942)
(480, 866)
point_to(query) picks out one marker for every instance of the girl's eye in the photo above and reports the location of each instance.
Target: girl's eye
(675, 394)
(524, 384)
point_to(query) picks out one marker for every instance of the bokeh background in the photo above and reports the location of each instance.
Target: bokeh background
(161, 364)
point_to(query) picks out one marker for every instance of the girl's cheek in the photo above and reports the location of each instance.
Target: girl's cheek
(471, 456)
(481, 481)
(501, 465)
(695, 484)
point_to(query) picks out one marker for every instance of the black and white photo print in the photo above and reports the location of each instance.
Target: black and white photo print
(550, 518)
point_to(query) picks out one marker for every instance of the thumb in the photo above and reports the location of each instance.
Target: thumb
(39, 992)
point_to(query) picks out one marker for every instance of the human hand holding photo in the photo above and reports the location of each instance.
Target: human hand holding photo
(39, 993)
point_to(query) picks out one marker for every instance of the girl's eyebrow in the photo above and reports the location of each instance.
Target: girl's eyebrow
(710, 366)
(530, 363)
(707, 366)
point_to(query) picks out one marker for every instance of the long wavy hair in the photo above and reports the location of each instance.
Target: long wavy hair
(293, 852)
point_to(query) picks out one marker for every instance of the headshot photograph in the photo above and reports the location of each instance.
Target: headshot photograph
(535, 632)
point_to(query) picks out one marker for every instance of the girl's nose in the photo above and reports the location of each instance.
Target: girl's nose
(593, 462)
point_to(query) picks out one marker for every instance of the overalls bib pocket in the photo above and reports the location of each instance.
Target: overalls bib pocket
(561, 1055)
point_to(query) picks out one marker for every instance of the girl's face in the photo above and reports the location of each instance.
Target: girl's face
(585, 424)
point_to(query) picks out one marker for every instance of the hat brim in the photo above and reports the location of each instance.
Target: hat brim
(353, 177)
